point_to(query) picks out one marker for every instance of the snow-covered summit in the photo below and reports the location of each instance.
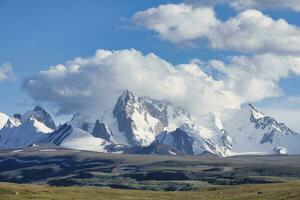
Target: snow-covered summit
(256, 114)
(3, 120)
(141, 119)
(146, 125)
(68, 136)
(41, 115)
(254, 132)
(188, 139)
(262, 121)
(17, 135)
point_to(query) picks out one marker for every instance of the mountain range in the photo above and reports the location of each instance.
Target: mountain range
(143, 125)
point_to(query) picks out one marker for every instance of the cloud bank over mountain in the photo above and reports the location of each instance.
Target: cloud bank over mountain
(95, 82)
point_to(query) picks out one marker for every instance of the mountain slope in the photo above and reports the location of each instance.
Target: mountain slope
(41, 115)
(134, 120)
(141, 119)
(188, 140)
(254, 132)
(3, 119)
(160, 127)
(139, 124)
(23, 130)
(71, 137)
(17, 135)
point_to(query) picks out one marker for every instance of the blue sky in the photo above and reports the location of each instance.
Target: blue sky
(37, 34)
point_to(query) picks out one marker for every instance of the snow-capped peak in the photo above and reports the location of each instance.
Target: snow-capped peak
(126, 96)
(17, 135)
(141, 118)
(253, 132)
(255, 112)
(12, 122)
(263, 121)
(68, 136)
(41, 115)
(40, 127)
(140, 121)
(3, 120)
(188, 139)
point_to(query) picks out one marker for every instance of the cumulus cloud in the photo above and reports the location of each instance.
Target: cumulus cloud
(255, 78)
(246, 4)
(176, 22)
(94, 83)
(6, 72)
(265, 4)
(249, 31)
(98, 80)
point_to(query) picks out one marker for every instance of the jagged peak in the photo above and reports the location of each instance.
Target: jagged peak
(18, 116)
(127, 94)
(126, 101)
(10, 124)
(31, 121)
(254, 112)
(187, 139)
(39, 126)
(41, 115)
(101, 130)
(127, 97)
(262, 121)
(254, 108)
(39, 108)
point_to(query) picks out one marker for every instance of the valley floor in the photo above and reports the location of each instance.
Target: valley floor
(277, 191)
(63, 174)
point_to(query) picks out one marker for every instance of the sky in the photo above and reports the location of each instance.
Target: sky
(208, 55)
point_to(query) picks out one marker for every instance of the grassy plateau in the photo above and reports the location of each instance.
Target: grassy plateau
(277, 191)
(62, 174)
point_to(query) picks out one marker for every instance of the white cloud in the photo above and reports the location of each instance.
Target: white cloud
(249, 31)
(255, 78)
(6, 72)
(96, 82)
(86, 82)
(252, 31)
(265, 4)
(246, 4)
(176, 22)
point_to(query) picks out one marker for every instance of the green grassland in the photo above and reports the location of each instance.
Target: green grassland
(274, 191)
(143, 172)
(67, 174)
